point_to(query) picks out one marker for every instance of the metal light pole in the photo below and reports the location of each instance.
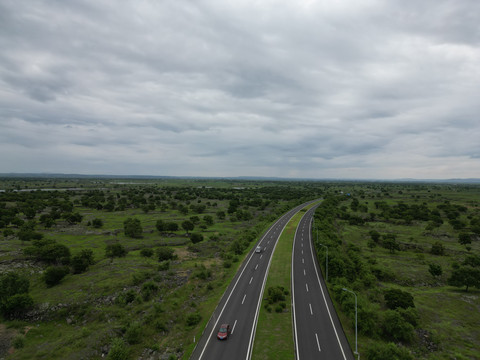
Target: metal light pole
(356, 349)
(326, 261)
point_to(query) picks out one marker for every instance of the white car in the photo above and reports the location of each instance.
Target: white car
(258, 249)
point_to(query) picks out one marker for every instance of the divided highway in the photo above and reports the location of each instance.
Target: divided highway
(241, 302)
(318, 333)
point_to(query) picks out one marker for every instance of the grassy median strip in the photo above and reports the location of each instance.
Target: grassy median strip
(274, 338)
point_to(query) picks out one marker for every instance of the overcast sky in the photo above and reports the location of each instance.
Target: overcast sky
(314, 89)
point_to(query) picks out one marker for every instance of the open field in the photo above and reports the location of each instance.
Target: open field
(133, 304)
(142, 306)
(425, 222)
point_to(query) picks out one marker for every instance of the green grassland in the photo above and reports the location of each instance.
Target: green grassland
(168, 303)
(448, 317)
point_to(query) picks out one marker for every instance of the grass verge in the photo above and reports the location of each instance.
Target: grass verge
(274, 337)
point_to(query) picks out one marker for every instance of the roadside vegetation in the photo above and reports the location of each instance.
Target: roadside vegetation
(411, 253)
(124, 269)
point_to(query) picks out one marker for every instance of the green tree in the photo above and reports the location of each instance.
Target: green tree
(435, 270)
(187, 225)
(80, 262)
(49, 251)
(73, 218)
(171, 226)
(133, 228)
(464, 238)
(14, 297)
(390, 242)
(208, 220)
(220, 215)
(465, 276)
(115, 250)
(160, 225)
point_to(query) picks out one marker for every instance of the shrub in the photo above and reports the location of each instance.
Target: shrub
(410, 315)
(14, 298)
(437, 248)
(49, 251)
(165, 253)
(133, 228)
(193, 319)
(16, 304)
(396, 328)
(380, 351)
(148, 289)
(54, 274)
(395, 298)
(133, 334)
(118, 350)
(368, 320)
(164, 265)
(18, 342)
(146, 252)
(127, 297)
(275, 294)
(115, 250)
(435, 270)
(196, 237)
(161, 326)
(97, 223)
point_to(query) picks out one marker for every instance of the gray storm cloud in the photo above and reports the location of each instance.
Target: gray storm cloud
(354, 89)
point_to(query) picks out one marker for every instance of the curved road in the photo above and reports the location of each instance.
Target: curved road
(318, 333)
(241, 302)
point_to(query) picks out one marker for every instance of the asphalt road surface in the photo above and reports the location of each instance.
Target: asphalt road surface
(318, 333)
(241, 302)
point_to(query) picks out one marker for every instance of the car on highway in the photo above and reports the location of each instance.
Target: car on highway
(258, 249)
(223, 332)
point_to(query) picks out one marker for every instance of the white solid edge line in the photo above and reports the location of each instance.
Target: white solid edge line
(323, 294)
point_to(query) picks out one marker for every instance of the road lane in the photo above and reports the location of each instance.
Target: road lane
(241, 302)
(317, 331)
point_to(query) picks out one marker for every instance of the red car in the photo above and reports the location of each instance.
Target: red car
(224, 332)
